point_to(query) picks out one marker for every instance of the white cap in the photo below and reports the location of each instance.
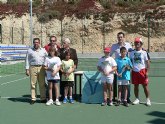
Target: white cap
(67, 40)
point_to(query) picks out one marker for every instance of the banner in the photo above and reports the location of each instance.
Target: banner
(92, 89)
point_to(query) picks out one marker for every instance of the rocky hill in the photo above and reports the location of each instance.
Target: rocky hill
(89, 25)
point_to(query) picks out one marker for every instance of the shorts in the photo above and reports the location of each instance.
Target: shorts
(123, 82)
(108, 80)
(139, 77)
(54, 81)
(68, 83)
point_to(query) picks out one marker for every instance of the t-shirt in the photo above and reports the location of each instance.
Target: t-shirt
(106, 63)
(66, 66)
(121, 63)
(115, 49)
(138, 59)
(52, 63)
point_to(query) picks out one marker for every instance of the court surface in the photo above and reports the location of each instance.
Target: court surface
(15, 107)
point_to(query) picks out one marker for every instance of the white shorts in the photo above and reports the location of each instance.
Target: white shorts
(108, 80)
(123, 82)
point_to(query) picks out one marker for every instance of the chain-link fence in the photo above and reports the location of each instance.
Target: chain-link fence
(90, 33)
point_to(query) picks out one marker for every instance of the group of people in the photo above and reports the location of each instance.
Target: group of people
(60, 61)
(59, 64)
(116, 72)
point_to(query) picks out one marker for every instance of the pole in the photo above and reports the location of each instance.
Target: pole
(22, 32)
(31, 23)
(148, 33)
(61, 31)
(1, 33)
(12, 35)
(103, 35)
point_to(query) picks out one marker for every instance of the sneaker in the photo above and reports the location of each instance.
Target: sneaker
(103, 103)
(110, 103)
(148, 102)
(57, 103)
(125, 103)
(129, 101)
(71, 101)
(65, 100)
(50, 102)
(136, 102)
(118, 103)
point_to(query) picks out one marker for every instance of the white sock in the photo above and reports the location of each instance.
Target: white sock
(65, 97)
(70, 97)
(57, 100)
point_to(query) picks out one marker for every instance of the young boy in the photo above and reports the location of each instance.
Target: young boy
(141, 65)
(123, 72)
(107, 66)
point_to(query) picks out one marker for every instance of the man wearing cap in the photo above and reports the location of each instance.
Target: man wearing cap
(141, 65)
(115, 49)
(35, 58)
(73, 56)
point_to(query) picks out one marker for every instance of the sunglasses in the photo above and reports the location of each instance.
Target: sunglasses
(53, 40)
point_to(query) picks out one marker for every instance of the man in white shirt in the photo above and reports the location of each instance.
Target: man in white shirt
(115, 49)
(34, 68)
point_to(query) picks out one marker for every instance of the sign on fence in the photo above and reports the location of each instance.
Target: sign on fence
(92, 90)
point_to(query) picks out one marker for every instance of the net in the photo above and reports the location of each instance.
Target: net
(157, 65)
(87, 62)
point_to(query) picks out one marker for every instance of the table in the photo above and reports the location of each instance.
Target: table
(78, 74)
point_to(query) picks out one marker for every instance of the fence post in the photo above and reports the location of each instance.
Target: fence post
(103, 35)
(1, 33)
(61, 31)
(148, 33)
(12, 35)
(22, 33)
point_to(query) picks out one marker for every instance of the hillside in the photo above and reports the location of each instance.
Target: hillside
(88, 23)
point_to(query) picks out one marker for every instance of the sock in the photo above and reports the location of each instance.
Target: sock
(57, 100)
(65, 97)
(70, 97)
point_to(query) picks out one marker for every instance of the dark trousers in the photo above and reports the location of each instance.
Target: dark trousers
(115, 88)
(115, 92)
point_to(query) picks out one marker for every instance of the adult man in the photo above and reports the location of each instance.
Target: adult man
(52, 42)
(115, 49)
(73, 56)
(34, 60)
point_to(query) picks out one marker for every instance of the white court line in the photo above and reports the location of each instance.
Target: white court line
(8, 97)
(156, 103)
(10, 75)
(14, 81)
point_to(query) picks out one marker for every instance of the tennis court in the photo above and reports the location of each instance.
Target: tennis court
(15, 107)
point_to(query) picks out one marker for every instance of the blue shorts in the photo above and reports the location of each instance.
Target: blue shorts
(54, 81)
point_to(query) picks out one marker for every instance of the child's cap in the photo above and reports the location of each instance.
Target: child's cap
(138, 40)
(107, 49)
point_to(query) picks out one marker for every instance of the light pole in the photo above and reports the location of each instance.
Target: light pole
(31, 23)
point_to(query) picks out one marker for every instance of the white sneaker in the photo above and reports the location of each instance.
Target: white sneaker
(136, 102)
(148, 102)
(110, 104)
(50, 102)
(57, 103)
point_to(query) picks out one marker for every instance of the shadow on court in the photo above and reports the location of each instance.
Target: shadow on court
(24, 98)
(160, 119)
